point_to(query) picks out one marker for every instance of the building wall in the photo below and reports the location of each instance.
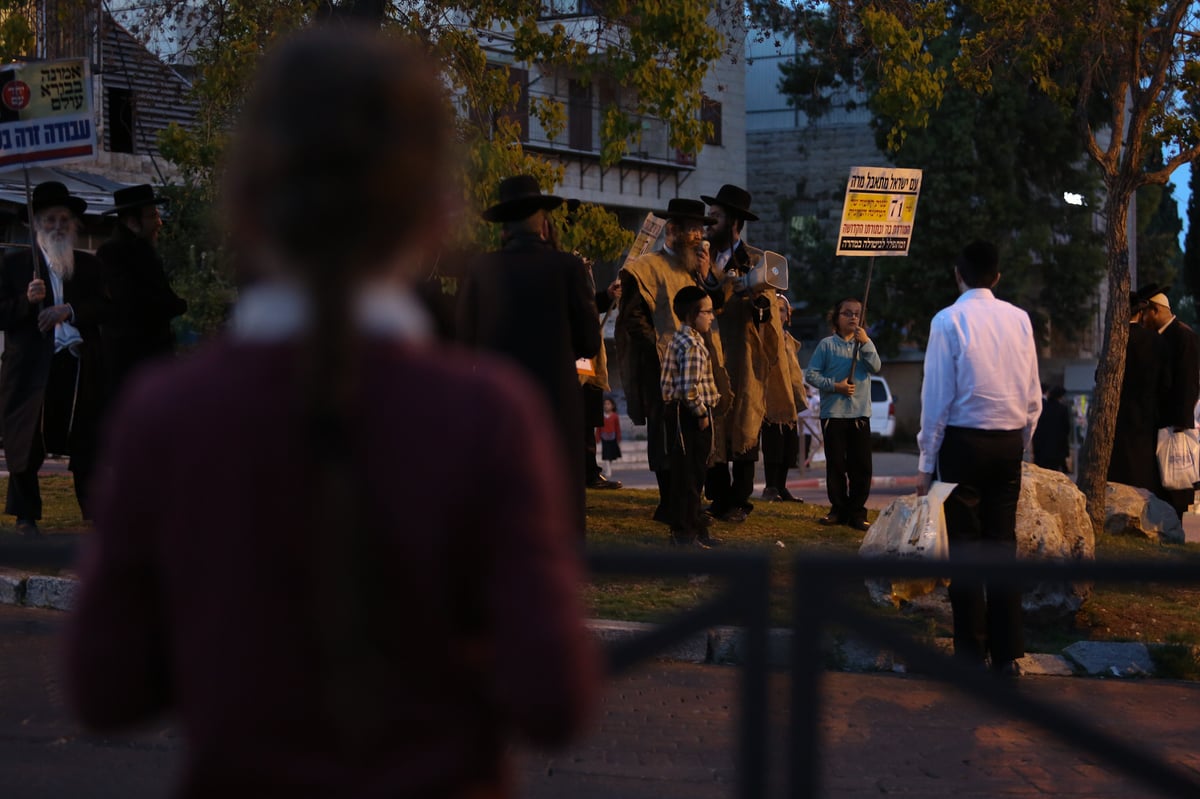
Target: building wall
(803, 172)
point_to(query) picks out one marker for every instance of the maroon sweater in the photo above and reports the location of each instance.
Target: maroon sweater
(198, 594)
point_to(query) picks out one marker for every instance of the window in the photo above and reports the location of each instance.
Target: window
(710, 111)
(120, 121)
(486, 118)
(579, 115)
(519, 113)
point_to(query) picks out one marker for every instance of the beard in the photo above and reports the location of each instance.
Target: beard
(60, 252)
(685, 253)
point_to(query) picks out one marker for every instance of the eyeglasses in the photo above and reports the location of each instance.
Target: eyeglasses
(709, 312)
(852, 314)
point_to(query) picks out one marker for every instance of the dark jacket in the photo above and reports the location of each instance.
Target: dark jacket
(532, 303)
(1052, 437)
(143, 304)
(1145, 383)
(25, 366)
(1183, 363)
(490, 583)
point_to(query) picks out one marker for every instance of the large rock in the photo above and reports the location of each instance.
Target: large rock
(1136, 511)
(1052, 524)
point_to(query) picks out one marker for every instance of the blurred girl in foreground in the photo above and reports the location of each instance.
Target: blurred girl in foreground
(265, 564)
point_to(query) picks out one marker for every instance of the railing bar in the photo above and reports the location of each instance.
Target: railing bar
(1072, 728)
(752, 589)
(625, 654)
(804, 777)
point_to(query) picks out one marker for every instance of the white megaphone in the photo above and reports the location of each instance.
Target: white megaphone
(771, 270)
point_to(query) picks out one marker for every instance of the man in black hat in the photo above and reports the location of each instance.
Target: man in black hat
(531, 302)
(143, 301)
(52, 304)
(646, 324)
(755, 357)
(1177, 405)
(1144, 383)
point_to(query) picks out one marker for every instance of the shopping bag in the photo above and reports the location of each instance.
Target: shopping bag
(1178, 458)
(910, 527)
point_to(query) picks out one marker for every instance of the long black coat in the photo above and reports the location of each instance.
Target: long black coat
(1183, 363)
(143, 305)
(25, 366)
(532, 303)
(1145, 383)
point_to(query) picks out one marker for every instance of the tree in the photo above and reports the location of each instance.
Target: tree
(656, 52)
(995, 162)
(1128, 73)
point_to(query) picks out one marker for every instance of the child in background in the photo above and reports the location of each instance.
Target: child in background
(608, 436)
(689, 393)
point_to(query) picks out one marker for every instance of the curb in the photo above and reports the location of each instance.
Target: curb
(885, 481)
(724, 645)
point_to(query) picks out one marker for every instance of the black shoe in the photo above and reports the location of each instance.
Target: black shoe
(709, 540)
(771, 494)
(786, 496)
(733, 516)
(1007, 669)
(687, 542)
(862, 525)
(603, 482)
(829, 519)
(28, 528)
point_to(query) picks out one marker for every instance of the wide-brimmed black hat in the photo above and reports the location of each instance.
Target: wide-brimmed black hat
(1147, 291)
(135, 197)
(520, 196)
(685, 210)
(735, 199)
(51, 194)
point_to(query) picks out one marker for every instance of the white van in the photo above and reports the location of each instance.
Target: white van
(883, 412)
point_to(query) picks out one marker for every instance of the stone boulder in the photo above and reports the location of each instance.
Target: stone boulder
(1136, 511)
(1052, 524)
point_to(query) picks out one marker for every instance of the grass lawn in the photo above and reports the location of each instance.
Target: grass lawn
(1127, 612)
(621, 520)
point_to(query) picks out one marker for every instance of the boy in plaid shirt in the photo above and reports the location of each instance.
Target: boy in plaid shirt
(689, 394)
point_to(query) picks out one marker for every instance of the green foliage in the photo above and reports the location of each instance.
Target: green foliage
(652, 53)
(1125, 70)
(995, 166)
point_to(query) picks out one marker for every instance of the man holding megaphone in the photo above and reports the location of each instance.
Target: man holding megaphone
(755, 354)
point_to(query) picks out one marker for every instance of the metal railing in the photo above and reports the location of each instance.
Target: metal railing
(816, 605)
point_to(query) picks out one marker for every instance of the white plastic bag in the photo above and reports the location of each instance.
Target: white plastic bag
(910, 527)
(1178, 458)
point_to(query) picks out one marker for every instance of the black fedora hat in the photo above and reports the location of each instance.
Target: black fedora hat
(520, 196)
(135, 197)
(51, 194)
(679, 210)
(733, 198)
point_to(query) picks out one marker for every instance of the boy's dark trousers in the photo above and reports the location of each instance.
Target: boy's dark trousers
(688, 448)
(848, 467)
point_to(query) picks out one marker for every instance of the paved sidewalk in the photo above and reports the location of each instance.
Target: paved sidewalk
(668, 731)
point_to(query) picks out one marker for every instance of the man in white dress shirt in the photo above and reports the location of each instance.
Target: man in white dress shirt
(979, 405)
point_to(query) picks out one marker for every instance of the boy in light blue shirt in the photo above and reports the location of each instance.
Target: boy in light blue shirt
(845, 412)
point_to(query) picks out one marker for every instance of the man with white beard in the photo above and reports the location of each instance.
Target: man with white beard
(51, 379)
(646, 324)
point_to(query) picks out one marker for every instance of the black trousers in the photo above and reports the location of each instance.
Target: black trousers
(981, 522)
(688, 449)
(593, 417)
(848, 467)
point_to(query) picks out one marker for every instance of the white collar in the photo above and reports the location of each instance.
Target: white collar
(276, 310)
